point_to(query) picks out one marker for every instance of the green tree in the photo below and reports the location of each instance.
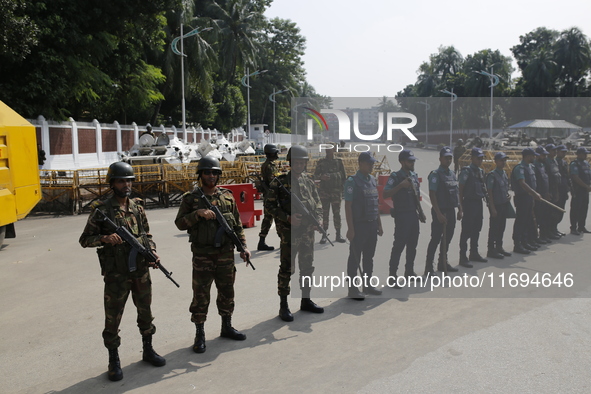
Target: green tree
(573, 58)
(18, 33)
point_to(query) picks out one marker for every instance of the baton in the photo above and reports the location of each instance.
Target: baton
(553, 206)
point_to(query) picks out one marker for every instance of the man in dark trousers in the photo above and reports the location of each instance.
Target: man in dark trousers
(403, 187)
(444, 194)
(363, 223)
(565, 183)
(541, 213)
(523, 182)
(581, 179)
(554, 183)
(472, 191)
(499, 201)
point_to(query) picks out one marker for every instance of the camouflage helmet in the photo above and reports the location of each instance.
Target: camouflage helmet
(270, 149)
(119, 170)
(297, 152)
(208, 163)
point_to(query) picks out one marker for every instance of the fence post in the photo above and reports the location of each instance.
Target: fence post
(75, 149)
(99, 139)
(136, 136)
(118, 137)
(44, 135)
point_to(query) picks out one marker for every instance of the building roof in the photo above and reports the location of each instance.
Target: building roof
(545, 124)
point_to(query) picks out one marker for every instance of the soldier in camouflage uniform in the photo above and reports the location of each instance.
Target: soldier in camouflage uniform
(268, 172)
(331, 173)
(296, 232)
(113, 256)
(211, 263)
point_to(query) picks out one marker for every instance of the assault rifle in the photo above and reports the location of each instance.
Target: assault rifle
(136, 247)
(484, 188)
(418, 199)
(301, 208)
(224, 228)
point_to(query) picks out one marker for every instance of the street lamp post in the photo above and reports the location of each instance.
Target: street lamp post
(427, 108)
(272, 98)
(173, 45)
(453, 98)
(494, 81)
(246, 82)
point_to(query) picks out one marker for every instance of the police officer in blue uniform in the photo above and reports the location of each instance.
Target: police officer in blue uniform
(542, 214)
(555, 182)
(523, 182)
(363, 223)
(472, 191)
(565, 187)
(580, 173)
(403, 187)
(499, 201)
(444, 195)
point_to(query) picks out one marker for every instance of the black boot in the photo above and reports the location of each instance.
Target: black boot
(477, 258)
(339, 238)
(284, 312)
(199, 345)
(149, 354)
(503, 251)
(230, 332)
(309, 306)
(355, 294)
(494, 254)
(519, 248)
(323, 240)
(263, 245)
(464, 261)
(115, 373)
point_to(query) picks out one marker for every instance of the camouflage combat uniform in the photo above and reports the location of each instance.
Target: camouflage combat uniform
(331, 191)
(114, 267)
(299, 240)
(210, 263)
(268, 172)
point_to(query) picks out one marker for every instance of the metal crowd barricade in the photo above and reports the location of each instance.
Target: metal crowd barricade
(178, 179)
(149, 184)
(91, 185)
(58, 191)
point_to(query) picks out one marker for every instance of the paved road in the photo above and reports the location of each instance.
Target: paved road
(412, 340)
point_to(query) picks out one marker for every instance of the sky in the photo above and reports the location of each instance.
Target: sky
(373, 48)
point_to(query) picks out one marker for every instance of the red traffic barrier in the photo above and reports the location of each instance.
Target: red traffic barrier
(244, 194)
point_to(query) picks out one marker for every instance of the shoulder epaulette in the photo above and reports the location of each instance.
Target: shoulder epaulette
(138, 201)
(224, 190)
(96, 204)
